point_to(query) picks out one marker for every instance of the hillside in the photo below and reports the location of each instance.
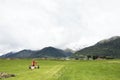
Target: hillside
(20, 54)
(108, 47)
(47, 52)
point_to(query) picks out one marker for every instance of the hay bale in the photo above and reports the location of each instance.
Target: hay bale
(6, 75)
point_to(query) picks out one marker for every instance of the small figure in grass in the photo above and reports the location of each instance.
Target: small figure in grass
(34, 65)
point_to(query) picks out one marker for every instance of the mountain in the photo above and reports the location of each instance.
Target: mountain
(47, 52)
(7, 55)
(20, 54)
(108, 47)
(68, 52)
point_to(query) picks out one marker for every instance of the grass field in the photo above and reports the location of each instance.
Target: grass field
(62, 70)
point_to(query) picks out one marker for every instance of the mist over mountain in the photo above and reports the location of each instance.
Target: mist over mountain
(108, 47)
(35, 24)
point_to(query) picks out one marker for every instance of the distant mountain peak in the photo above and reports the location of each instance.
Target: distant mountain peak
(49, 47)
(69, 50)
(108, 47)
(114, 38)
(108, 40)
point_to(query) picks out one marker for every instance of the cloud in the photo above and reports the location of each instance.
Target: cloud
(34, 24)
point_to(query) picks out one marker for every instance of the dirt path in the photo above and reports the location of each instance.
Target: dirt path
(113, 61)
(54, 71)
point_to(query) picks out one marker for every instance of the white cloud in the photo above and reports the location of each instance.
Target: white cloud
(34, 24)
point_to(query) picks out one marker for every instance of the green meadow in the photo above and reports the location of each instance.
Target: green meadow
(62, 70)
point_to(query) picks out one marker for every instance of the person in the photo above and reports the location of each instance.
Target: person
(34, 63)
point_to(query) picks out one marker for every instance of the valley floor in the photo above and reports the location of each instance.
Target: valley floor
(62, 70)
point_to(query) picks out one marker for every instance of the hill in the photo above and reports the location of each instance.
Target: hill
(47, 52)
(21, 54)
(108, 47)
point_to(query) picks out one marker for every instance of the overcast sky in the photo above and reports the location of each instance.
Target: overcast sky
(34, 24)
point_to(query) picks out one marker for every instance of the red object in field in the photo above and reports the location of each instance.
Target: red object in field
(33, 63)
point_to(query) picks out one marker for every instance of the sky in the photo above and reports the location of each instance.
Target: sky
(74, 24)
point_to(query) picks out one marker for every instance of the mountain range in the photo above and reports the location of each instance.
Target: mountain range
(47, 52)
(107, 47)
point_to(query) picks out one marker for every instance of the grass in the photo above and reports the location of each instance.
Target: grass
(62, 70)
